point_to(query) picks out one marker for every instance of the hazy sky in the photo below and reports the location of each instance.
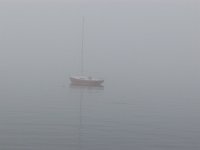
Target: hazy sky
(158, 38)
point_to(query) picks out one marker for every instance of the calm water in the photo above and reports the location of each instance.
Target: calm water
(148, 54)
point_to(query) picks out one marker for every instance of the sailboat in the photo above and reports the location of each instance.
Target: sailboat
(82, 79)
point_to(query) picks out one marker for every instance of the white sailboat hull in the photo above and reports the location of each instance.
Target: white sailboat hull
(84, 80)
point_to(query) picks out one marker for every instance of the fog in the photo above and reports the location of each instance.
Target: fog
(150, 39)
(148, 48)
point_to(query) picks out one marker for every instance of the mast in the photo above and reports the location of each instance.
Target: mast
(82, 46)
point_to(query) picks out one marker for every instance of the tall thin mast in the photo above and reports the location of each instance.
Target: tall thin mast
(82, 46)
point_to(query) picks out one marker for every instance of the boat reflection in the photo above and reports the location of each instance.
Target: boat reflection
(89, 87)
(82, 91)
